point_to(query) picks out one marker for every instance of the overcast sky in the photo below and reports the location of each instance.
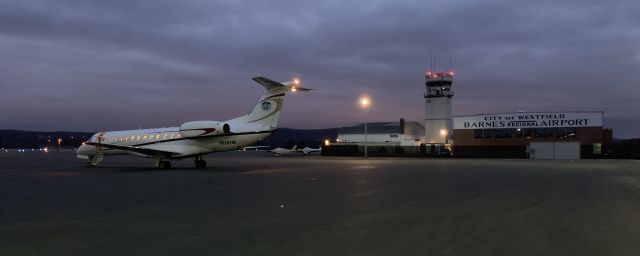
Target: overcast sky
(120, 64)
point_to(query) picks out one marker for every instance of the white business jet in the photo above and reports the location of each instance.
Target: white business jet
(197, 138)
(284, 151)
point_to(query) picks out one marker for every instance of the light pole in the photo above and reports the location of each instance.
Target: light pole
(365, 102)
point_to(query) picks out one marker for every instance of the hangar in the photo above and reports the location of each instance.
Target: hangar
(383, 134)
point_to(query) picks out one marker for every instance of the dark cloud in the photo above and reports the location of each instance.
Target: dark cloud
(95, 65)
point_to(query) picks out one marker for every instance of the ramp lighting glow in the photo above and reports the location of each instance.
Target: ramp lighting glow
(327, 142)
(364, 102)
(443, 132)
(293, 89)
(296, 81)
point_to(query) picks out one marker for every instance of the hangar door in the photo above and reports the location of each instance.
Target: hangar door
(554, 150)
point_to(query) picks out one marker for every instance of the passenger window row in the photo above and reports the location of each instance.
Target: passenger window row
(145, 137)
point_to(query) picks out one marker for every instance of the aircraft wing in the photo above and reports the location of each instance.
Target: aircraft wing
(144, 151)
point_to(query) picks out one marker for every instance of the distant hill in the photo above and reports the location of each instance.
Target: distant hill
(627, 141)
(286, 137)
(283, 137)
(30, 139)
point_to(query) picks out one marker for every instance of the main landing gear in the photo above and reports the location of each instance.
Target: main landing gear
(162, 164)
(200, 163)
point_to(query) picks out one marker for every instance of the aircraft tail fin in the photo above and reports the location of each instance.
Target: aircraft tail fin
(294, 148)
(265, 114)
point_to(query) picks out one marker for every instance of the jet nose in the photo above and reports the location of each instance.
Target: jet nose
(85, 150)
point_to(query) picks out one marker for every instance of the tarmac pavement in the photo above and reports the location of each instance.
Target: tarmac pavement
(249, 203)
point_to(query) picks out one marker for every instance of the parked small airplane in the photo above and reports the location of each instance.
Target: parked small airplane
(308, 150)
(255, 148)
(284, 151)
(197, 138)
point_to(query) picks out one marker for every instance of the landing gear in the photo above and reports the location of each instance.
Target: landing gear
(164, 164)
(200, 163)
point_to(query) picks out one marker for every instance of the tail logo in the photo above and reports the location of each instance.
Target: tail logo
(266, 105)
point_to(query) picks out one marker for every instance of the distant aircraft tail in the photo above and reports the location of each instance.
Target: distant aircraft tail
(294, 148)
(265, 114)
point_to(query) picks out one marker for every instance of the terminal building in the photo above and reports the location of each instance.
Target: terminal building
(521, 128)
(556, 135)
(537, 135)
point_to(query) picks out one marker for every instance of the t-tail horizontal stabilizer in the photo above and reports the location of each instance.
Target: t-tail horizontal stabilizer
(271, 85)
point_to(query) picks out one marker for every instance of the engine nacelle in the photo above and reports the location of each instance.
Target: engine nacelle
(203, 128)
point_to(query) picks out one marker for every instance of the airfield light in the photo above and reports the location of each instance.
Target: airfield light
(296, 81)
(327, 142)
(365, 102)
(59, 142)
(443, 132)
(293, 89)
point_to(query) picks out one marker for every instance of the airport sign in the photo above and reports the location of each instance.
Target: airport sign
(528, 120)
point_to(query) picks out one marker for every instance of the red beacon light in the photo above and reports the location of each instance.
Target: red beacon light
(439, 74)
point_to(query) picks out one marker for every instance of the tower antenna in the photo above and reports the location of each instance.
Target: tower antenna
(435, 62)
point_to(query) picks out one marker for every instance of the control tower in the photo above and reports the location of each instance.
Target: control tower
(438, 107)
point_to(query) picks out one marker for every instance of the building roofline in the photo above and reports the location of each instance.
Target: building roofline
(532, 112)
